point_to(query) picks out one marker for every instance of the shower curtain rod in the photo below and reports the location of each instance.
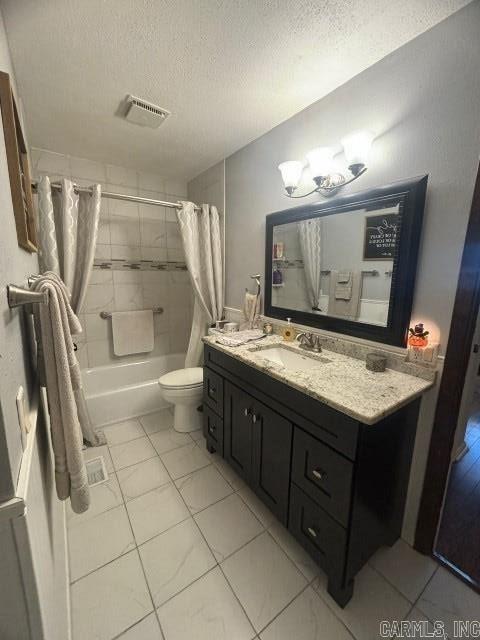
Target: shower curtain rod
(119, 196)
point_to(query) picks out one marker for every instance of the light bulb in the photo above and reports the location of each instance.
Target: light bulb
(356, 147)
(320, 161)
(291, 173)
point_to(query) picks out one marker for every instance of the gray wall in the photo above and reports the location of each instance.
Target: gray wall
(423, 102)
(33, 589)
(209, 187)
(15, 266)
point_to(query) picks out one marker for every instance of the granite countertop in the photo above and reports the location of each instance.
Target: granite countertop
(340, 381)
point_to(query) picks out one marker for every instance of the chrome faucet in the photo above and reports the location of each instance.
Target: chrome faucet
(310, 341)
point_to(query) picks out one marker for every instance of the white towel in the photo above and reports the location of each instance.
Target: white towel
(344, 304)
(132, 332)
(237, 338)
(57, 322)
(343, 284)
(251, 310)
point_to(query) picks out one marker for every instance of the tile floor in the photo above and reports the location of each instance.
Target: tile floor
(176, 547)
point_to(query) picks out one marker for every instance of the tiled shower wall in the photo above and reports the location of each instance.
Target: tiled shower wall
(144, 236)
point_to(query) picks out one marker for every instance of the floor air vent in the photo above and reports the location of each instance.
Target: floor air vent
(96, 471)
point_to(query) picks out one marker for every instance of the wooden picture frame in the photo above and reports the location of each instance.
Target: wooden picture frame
(18, 169)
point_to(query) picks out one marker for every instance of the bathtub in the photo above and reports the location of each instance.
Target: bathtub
(117, 392)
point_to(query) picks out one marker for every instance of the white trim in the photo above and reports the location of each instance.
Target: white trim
(460, 452)
(67, 574)
(11, 509)
(16, 506)
(26, 465)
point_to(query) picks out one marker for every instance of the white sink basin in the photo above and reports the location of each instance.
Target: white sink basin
(290, 359)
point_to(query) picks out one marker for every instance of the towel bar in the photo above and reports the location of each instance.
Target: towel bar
(108, 314)
(368, 272)
(18, 297)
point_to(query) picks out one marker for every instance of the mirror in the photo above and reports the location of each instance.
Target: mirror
(347, 264)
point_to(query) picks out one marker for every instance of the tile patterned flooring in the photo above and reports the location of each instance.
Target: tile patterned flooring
(176, 547)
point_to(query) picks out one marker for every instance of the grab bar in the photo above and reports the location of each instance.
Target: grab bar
(108, 314)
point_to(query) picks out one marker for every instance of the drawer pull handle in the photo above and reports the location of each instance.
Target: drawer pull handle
(256, 417)
(312, 532)
(246, 412)
(319, 474)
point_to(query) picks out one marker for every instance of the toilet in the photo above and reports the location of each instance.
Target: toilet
(183, 388)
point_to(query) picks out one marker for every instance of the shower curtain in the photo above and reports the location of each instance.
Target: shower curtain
(309, 233)
(202, 243)
(67, 234)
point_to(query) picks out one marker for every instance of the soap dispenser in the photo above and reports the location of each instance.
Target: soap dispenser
(289, 332)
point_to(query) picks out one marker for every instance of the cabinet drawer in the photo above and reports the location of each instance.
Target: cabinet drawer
(213, 429)
(213, 390)
(323, 538)
(323, 474)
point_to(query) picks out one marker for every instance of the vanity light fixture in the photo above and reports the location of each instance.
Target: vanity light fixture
(356, 147)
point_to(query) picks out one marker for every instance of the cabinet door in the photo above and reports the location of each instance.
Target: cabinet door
(237, 444)
(271, 454)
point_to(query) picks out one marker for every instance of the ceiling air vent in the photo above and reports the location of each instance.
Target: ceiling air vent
(145, 113)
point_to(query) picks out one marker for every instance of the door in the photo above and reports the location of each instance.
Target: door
(271, 455)
(238, 407)
(469, 395)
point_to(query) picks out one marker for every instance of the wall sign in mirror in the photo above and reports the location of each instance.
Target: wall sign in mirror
(381, 235)
(348, 265)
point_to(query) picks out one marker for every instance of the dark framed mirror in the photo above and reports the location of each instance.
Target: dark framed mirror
(348, 264)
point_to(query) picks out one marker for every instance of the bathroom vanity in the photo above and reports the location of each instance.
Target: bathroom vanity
(323, 442)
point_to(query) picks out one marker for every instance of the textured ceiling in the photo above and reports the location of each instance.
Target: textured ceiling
(227, 70)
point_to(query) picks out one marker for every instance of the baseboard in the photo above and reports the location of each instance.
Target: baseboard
(67, 574)
(460, 452)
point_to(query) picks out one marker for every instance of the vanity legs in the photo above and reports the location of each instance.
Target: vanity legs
(340, 592)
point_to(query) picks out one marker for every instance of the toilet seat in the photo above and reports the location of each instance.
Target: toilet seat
(191, 378)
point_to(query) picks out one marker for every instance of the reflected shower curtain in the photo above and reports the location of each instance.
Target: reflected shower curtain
(67, 234)
(202, 243)
(309, 233)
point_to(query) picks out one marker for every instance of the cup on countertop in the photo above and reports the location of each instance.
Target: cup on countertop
(229, 327)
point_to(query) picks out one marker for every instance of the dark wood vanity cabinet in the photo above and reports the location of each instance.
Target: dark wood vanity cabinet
(258, 445)
(337, 484)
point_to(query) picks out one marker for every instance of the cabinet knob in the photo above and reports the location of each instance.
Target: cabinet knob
(212, 428)
(246, 412)
(312, 532)
(212, 391)
(319, 474)
(256, 417)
